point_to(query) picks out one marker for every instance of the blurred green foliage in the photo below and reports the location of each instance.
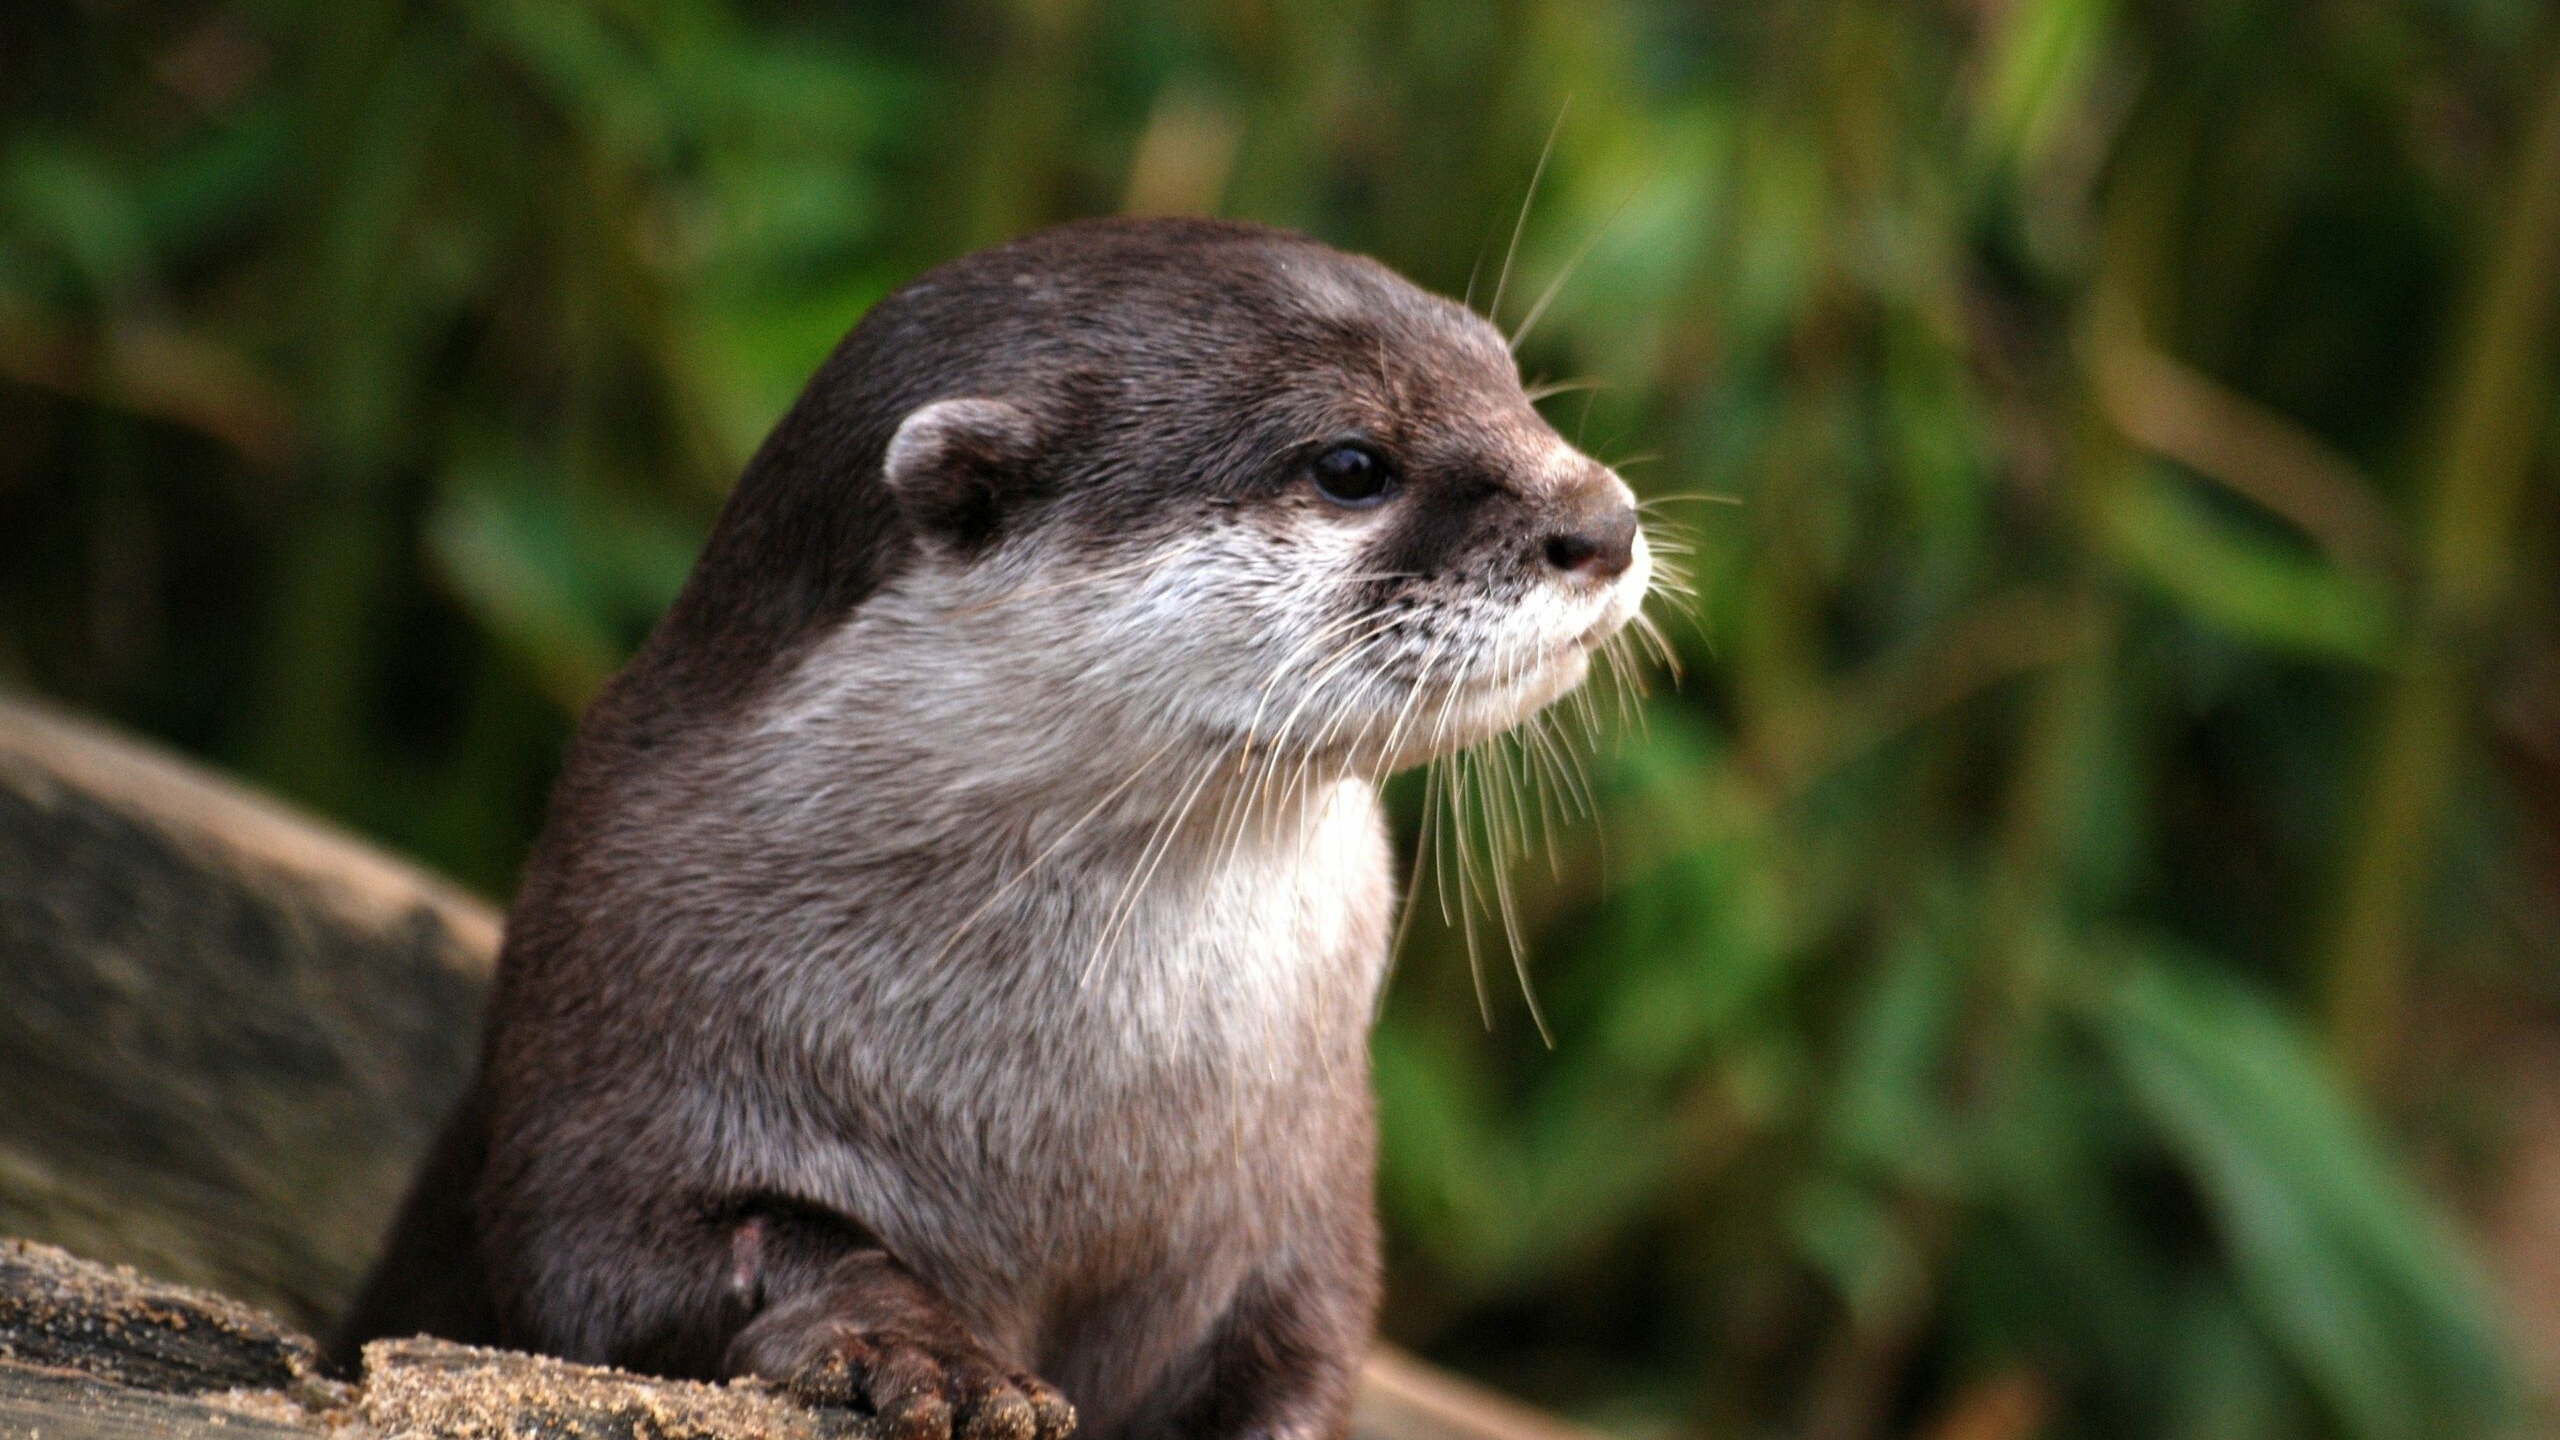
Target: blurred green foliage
(2108, 825)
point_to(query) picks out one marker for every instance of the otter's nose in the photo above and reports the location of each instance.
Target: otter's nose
(1599, 540)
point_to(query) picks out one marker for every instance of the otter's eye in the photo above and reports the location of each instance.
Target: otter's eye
(1352, 475)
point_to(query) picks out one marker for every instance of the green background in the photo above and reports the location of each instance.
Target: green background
(2075, 953)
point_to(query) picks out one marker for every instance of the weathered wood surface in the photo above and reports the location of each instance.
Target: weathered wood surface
(110, 1323)
(426, 1387)
(93, 1350)
(226, 1033)
(40, 1404)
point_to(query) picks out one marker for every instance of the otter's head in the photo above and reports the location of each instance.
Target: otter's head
(1206, 481)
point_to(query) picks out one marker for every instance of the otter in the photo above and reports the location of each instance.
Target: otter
(942, 982)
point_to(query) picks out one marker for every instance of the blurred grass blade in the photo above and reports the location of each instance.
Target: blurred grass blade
(2348, 1269)
(2477, 489)
(2254, 587)
(568, 592)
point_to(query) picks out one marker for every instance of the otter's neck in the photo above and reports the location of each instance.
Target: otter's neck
(941, 812)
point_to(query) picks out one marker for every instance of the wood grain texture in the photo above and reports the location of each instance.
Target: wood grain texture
(40, 1404)
(109, 1323)
(225, 1033)
(100, 1351)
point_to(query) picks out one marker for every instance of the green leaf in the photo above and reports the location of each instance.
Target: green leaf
(568, 588)
(2249, 585)
(1884, 1114)
(2044, 60)
(1852, 1236)
(75, 206)
(2336, 1255)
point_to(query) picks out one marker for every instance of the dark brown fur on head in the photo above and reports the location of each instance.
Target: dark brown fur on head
(884, 1012)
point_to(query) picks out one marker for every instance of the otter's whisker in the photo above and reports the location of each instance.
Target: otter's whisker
(1555, 287)
(1345, 714)
(1324, 676)
(1475, 272)
(1509, 847)
(1627, 680)
(1394, 744)
(1444, 767)
(1245, 756)
(1518, 667)
(1501, 766)
(1241, 806)
(1468, 805)
(1673, 587)
(1652, 634)
(1587, 710)
(1145, 767)
(1327, 631)
(1123, 903)
(1409, 898)
(1633, 663)
(1486, 780)
(1549, 389)
(1608, 697)
(1159, 844)
(1547, 782)
(1520, 226)
(1308, 753)
(1540, 730)
(1503, 842)
(1430, 791)
(1253, 797)
(1246, 797)
(1520, 968)
(1458, 832)
(1671, 583)
(1542, 791)
(1581, 771)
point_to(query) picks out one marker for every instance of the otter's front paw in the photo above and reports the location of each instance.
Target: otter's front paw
(932, 1391)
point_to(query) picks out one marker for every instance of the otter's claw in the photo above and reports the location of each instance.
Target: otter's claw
(933, 1392)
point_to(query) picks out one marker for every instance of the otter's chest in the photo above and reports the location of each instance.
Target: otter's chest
(1153, 1069)
(1162, 1003)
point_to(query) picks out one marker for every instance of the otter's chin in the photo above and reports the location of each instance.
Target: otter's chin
(1484, 709)
(1557, 678)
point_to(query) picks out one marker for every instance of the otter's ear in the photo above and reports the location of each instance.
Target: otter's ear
(954, 463)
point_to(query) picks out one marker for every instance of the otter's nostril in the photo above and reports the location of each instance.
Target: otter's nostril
(1603, 548)
(1570, 552)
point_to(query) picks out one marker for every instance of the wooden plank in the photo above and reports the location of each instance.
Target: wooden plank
(225, 1033)
(38, 1404)
(96, 1350)
(109, 1323)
